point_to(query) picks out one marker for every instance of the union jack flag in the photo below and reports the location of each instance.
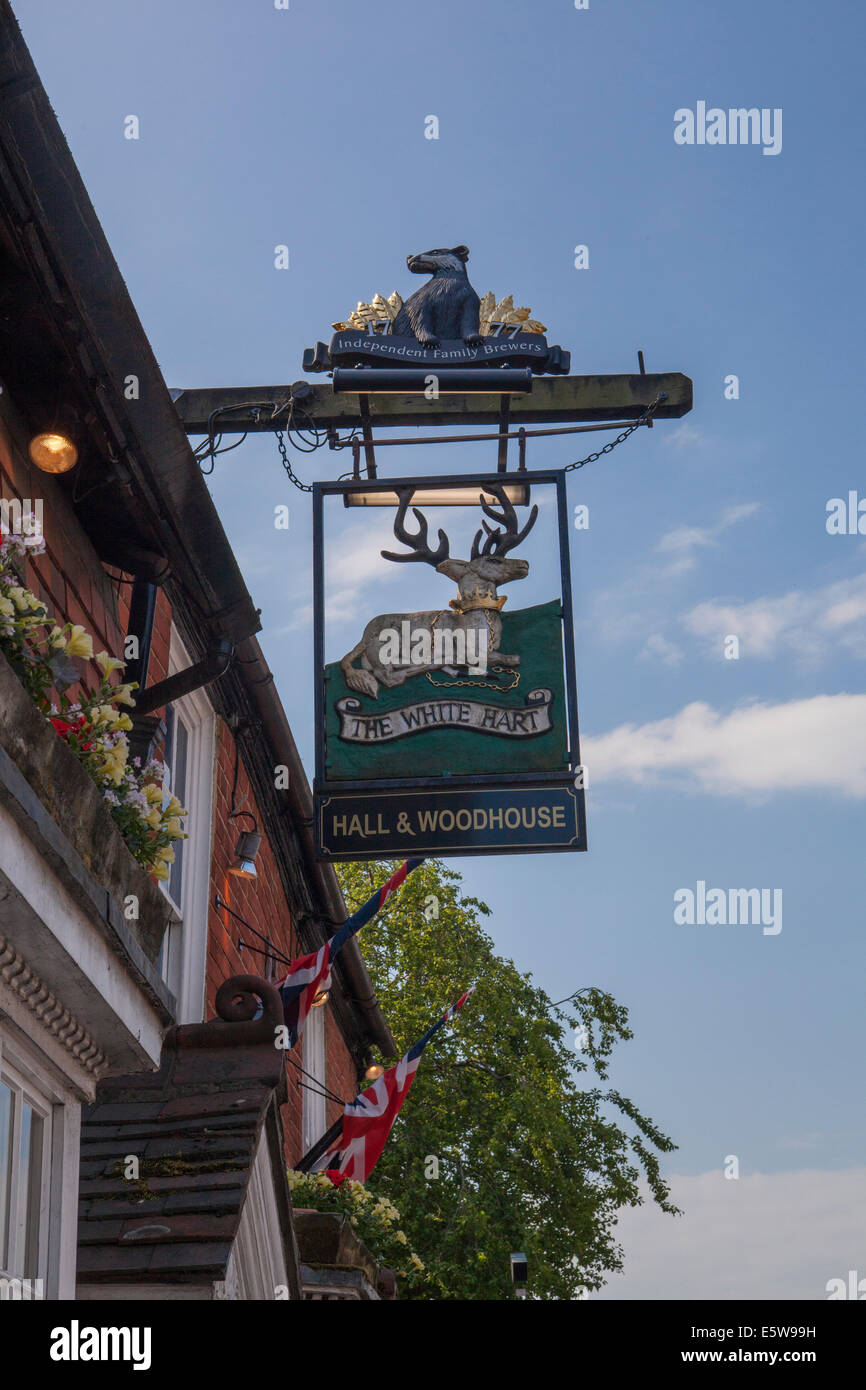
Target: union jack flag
(369, 1118)
(309, 976)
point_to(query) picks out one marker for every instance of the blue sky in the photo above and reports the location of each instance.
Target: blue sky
(305, 127)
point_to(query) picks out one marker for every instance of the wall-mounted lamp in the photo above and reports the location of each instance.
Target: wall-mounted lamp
(373, 1072)
(53, 452)
(248, 847)
(321, 998)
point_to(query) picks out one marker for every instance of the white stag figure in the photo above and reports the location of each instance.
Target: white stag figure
(473, 615)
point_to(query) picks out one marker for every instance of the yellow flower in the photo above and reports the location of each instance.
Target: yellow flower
(402, 1237)
(79, 642)
(322, 1181)
(165, 855)
(56, 637)
(107, 663)
(121, 694)
(173, 829)
(174, 808)
(124, 722)
(153, 792)
(161, 871)
(20, 597)
(114, 762)
(153, 818)
(6, 608)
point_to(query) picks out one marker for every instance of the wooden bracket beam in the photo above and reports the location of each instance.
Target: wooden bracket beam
(554, 399)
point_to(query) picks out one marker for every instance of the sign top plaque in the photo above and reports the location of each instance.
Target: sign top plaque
(444, 323)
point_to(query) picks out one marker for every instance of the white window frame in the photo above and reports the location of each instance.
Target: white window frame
(59, 1109)
(184, 952)
(314, 1112)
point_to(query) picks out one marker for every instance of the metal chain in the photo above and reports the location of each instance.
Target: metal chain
(303, 487)
(483, 685)
(590, 458)
(611, 444)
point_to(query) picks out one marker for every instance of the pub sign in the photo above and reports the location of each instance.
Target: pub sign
(450, 729)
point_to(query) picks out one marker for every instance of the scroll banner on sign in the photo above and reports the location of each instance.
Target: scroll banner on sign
(529, 722)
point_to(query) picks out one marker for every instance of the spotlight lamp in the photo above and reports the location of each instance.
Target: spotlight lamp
(244, 866)
(321, 998)
(373, 1072)
(53, 452)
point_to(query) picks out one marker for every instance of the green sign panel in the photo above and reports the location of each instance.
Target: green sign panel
(458, 721)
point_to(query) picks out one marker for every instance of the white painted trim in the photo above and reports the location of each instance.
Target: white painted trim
(65, 951)
(22, 1062)
(257, 1264)
(314, 1112)
(187, 941)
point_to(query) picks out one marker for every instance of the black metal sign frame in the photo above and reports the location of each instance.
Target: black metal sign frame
(369, 797)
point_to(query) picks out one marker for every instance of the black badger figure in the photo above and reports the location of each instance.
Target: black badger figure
(447, 307)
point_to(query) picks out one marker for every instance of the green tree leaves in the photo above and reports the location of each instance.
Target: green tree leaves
(528, 1157)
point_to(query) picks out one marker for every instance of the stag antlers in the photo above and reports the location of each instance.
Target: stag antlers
(418, 542)
(499, 542)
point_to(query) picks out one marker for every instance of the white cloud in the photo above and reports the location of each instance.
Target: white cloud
(760, 1236)
(657, 646)
(683, 541)
(807, 623)
(683, 436)
(817, 743)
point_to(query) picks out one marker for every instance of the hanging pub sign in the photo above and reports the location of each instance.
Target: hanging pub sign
(447, 725)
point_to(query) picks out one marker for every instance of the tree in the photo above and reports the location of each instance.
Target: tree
(501, 1144)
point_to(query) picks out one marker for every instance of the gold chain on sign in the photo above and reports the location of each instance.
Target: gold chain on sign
(481, 685)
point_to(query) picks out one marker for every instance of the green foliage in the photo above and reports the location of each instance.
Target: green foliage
(375, 1219)
(528, 1149)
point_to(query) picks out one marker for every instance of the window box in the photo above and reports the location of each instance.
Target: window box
(74, 802)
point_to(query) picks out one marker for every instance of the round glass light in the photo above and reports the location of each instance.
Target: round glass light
(53, 452)
(373, 1072)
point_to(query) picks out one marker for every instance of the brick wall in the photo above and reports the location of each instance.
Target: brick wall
(69, 577)
(260, 902)
(77, 588)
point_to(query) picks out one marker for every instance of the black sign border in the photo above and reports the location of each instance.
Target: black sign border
(494, 781)
(576, 843)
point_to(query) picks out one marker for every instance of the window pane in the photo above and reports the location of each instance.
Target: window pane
(5, 1171)
(31, 1150)
(180, 753)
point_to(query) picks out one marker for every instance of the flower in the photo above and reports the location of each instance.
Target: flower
(79, 643)
(6, 607)
(173, 829)
(107, 663)
(161, 871)
(20, 597)
(121, 693)
(174, 808)
(402, 1237)
(165, 854)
